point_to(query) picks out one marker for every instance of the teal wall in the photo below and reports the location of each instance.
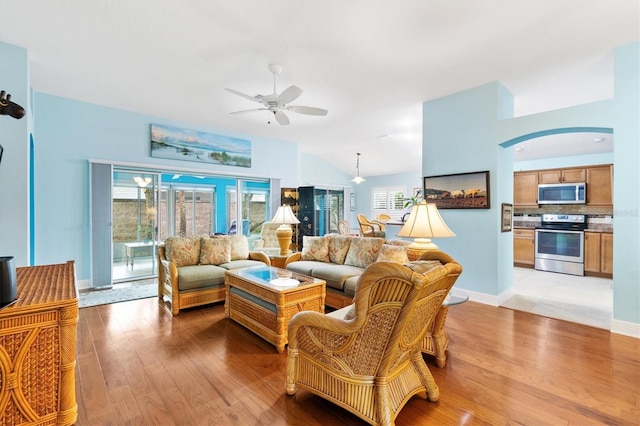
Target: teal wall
(463, 133)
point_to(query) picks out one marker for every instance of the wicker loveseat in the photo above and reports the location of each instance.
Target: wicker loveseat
(340, 260)
(191, 269)
(368, 361)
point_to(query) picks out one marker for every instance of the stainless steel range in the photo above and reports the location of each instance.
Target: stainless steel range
(559, 243)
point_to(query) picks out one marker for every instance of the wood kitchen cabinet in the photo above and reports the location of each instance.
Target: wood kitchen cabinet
(525, 189)
(523, 247)
(562, 175)
(598, 254)
(599, 185)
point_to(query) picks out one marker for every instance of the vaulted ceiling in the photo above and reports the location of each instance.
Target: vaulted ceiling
(371, 64)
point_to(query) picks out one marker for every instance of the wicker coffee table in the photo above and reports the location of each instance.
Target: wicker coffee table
(263, 299)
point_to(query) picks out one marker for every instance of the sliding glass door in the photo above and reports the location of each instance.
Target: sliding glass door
(135, 229)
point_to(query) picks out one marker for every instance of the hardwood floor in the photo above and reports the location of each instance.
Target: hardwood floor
(138, 365)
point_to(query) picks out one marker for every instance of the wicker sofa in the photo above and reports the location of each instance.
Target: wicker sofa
(191, 269)
(340, 260)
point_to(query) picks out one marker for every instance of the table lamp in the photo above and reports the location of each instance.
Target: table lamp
(424, 222)
(285, 217)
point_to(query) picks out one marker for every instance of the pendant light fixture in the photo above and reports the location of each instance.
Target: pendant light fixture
(357, 179)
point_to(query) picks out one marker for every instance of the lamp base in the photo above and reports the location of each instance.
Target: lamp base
(418, 247)
(284, 234)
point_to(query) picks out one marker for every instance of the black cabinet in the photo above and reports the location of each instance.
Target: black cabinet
(321, 210)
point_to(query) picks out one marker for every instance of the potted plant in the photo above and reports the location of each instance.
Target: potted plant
(410, 202)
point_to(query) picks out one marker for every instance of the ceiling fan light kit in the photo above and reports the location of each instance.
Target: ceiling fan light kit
(277, 104)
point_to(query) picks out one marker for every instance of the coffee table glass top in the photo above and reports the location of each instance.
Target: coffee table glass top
(273, 277)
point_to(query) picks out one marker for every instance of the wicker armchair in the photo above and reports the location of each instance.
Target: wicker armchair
(371, 228)
(370, 362)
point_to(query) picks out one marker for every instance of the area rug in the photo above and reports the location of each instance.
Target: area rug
(119, 293)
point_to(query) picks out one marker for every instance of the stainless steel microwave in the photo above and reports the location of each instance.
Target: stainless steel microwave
(562, 193)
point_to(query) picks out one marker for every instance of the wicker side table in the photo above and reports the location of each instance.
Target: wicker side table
(38, 348)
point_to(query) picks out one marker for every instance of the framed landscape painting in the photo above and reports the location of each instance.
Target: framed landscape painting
(182, 144)
(458, 191)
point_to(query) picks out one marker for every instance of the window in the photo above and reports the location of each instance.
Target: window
(388, 200)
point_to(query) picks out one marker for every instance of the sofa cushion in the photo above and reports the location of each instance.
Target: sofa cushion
(350, 286)
(242, 263)
(200, 276)
(392, 253)
(303, 267)
(363, 251)
(335, 275)
(215, 250)
(338, 248)
(315, 248)
(183, 251)
(239, 247)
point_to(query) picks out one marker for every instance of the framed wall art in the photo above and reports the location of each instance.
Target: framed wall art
(458, 191)
(506, 217)
(183, 144)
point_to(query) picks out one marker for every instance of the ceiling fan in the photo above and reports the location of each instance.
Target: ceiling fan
(277, 104)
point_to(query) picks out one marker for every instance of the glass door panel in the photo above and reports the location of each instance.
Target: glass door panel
(135, 227)
(255, 207)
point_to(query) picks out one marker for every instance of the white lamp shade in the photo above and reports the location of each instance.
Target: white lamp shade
(425, 222)
(285, 215)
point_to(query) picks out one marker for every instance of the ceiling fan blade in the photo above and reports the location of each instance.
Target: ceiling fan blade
(244, 95)
(248, 110)
(307, 110)
(281, 117)
(290, 94)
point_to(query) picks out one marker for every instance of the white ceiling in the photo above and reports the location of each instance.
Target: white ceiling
(370, 63)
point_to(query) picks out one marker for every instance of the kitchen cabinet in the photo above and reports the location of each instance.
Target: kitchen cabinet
(523, 247)
(598, 253)
(525, 189)
(562, 175)
(599, 185)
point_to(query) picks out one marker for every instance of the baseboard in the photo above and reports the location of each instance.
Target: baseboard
(488, 299)
(625, 328)
(83, 284)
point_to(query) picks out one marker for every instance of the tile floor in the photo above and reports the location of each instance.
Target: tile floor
(585, 300)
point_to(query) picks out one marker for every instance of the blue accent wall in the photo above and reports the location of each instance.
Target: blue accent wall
(465, 132)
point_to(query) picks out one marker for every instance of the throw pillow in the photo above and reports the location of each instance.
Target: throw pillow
(215, 250)
(239, 247)
(183, 251)
(392, 253)
(363, 251)
(338, 248)
(315, 248)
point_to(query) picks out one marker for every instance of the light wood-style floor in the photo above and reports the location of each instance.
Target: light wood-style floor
(138, 365)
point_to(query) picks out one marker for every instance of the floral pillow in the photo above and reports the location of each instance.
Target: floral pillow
(239, 247)
(215, 250)
(338, 248)
(183, 251)
(363, 251)
(315, 248)
(393, 253)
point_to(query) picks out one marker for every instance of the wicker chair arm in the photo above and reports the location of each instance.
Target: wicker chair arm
(380, 225)
(436, 255)
(293, 257)
(314, 321)
(262, 257)
(168, 274)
